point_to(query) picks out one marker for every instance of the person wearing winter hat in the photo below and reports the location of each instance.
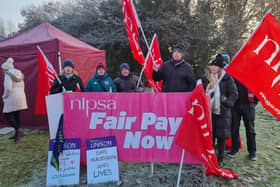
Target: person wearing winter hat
(176, 74)
(100, 82)
(223, 93)
(70, 81)
(14, 97)
(126, 82)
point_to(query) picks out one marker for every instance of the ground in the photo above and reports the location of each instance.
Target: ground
(24, 163)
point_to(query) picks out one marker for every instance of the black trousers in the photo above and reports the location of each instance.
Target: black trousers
(247, 113)
(221, 147)
(13, 118)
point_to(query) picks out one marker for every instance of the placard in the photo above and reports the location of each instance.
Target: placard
(102, 160)
(69, 172)
(55, 109)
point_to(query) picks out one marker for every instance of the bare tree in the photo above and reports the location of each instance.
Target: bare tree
(2, 28)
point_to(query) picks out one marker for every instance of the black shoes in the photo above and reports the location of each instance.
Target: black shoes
(19, 134)
(232, 154)
(220, 162)
(252, 156)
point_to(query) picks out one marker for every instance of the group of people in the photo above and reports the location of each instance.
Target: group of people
(100, 82)
(230, 100)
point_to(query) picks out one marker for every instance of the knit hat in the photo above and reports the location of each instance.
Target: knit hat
(100, 65)
(218, 61)
(9, 64)
(68, 62)
(226, 57)
(179, 47)
(124, 65)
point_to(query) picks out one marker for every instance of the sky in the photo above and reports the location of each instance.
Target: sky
(10, 9)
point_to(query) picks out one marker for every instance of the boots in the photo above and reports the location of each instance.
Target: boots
(12, 137)
(19, 134)
(220, 162)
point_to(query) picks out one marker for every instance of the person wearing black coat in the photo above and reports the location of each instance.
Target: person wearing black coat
(245, 108)
(126, 82)
(69, 80)
(176, 74)
(223, 92)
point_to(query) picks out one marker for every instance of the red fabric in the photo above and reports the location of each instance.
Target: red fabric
(153, 57)
(195, 133)
(23, 48)
(78, 89)
(250, 96)
(131, 24)
(229, 142)
(46, 76)
(257, 64)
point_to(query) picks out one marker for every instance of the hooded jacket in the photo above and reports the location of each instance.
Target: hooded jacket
(14, 97)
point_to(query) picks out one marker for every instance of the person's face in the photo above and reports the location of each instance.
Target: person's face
(215, 69)
(125, 72)
(101, 71)
(177, 55)
(68, 69)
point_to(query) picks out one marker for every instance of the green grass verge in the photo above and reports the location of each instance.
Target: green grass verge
(24, 163)
(21, 161)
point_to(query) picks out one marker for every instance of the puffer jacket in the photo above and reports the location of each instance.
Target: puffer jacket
(14, 97)
(70, 84)
(176, 76)
(128, 83)
(229, 94)
(93, 84)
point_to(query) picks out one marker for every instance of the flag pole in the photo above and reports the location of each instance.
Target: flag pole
(180, 169)
(59, 60)
(145, 64)
(146, 42)
(38, 47)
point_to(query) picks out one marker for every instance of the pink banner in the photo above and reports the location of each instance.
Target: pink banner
(144, 124)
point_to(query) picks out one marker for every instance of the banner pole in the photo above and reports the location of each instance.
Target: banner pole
(152, 169)
(180, 169)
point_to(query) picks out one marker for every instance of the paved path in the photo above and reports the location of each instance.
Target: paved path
(6, 130)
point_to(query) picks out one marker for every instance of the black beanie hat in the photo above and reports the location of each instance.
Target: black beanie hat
(218, 61)
(68, 62)
(179, 47)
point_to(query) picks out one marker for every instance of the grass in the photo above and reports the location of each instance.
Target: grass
(24, 163)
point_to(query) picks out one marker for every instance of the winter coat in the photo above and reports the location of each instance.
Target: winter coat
(176, 77)
(93, 84)
(69, 84)
(221, 123)
(128, 83)
(14, 97)
(243, 94)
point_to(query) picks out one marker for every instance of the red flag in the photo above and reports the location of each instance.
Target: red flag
(195, 133)
(152, 58)
(257, 64)
(132, 24)
(78, 89)
(46, 76)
